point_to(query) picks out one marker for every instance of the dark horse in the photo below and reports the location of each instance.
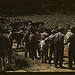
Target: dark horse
(5, 47)
(16, 36)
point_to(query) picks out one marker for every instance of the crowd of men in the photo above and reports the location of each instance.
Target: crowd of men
(45, 45)
(55, 42)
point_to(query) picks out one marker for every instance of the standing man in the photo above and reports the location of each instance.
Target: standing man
(59, 45)
(37, 42)
(34, 44)
(71, 52)
(33, 41)
(52, 47)
(27, 44)
(44, 45)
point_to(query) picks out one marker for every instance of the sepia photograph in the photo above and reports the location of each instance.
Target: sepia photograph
(37, 36)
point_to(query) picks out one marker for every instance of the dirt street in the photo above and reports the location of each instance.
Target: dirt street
(37, 66)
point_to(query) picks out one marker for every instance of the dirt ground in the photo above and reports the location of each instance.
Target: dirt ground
(37, 66)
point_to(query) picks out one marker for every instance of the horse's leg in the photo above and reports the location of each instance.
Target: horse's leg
(46, 56)
(17, 44)
(20, 43)
(23, 43)
(10, 51)
(11, 43)
(9, 54)
(42, 56)
(3, 62)
(35, 53)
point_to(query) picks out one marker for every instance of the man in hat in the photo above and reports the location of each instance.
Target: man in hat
(52, 46)
(44, 48)
(44, 34)
(33, 44)
(59, 45)
(27, 44)
(71, 52)
(68, 34)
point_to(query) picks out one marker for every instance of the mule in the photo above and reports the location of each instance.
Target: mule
(16, 36)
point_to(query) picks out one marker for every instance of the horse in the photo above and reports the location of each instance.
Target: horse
(16, 36)
(5, 47)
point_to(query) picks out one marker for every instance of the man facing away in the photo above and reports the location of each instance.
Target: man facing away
(52, 46)
(59, 46)
(27, 44)
(71, 52)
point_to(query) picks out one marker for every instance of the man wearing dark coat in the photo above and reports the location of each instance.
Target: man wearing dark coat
(71, 52)
(59, 46)
(27, 44)
(33, 44)
(52, 47)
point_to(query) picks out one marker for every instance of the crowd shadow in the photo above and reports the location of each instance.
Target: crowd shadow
(65, 62)
(18, 49)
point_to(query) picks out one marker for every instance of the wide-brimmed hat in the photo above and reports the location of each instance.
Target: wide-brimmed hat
(60, 29)
(53, 31)
(29, 23)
